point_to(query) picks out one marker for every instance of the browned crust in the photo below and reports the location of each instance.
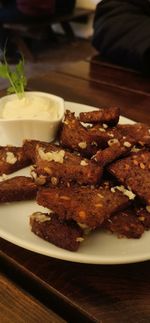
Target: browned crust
(143, 216)
(29, 148)
(139, 131)
(108, 155)
(76, 137)
(125, 223)
(134, 172)
(74, 168)
(101, 135)
(21, 159)
(138, 134)
(64, 234)
(18, 188)
(82, 204)
(109, 116)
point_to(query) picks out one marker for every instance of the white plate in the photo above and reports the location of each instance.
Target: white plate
(99, 248)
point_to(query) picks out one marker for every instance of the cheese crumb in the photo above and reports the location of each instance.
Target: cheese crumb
(83, 163)
(94, 143)
(40, 217)
(105, 126)
(127, 144)
(66, 122)
(100, 195)
(83, 225)
(135, 150)
(126, 192)
(148, 208)
(142, 166)
(33, 172)
(111, 135)
(54, 180)
(79, 239)
(102, 129)
(3, 177)
(82, 144)
(10, 158)
(57, 156)
(113, 141)
(112, 189)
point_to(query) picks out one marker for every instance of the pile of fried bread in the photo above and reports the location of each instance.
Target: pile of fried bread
(96, 176)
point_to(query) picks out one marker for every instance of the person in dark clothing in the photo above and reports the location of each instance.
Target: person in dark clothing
(122, 32)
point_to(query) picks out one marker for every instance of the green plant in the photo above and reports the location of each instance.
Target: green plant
(15, 76)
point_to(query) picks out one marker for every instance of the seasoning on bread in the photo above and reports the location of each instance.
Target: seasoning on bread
(83, 204)
(76, 137)
(58, 165)
(109, 116)
(17, 188)
(125, 223)
(134, 172)
(12, 159)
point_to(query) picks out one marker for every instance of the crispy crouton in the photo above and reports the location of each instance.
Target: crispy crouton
(114, 151)
(134, 172)
(87, 140)
(139, 131)
(76, 137)
(29, 147)
(82, 204)
(143, 214)
(125, 223)
(106, 136)
(64, 234)
(101, 134)
(109, 116)
(12, 159)
(18, 188)
(58, 165)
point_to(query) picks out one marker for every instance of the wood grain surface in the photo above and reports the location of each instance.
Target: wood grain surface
(133, 105)
(108, 75)
(16, 305)
(88, 293)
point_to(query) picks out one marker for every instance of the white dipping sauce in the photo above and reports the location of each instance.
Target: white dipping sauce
(30, 107)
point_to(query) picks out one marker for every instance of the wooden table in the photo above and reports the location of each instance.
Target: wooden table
(72, 291)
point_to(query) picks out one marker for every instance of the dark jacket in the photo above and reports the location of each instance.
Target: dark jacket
(122, 32)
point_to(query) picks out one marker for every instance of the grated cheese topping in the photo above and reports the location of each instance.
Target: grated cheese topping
(3, 177)
(10, 158)
(148, 208)
(112, 142)
(83, 163)
(40, 217)
(82, 144)
(126, 192)
(57, 156)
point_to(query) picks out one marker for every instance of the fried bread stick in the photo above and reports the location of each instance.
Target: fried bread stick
(18, 188)
(64, 234)
(12, 159)
(134, 172)
(82, 204)
(58, 165)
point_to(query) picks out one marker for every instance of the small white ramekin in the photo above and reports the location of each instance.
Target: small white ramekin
(17, 130)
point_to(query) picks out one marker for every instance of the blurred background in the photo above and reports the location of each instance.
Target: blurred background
(46, 42)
